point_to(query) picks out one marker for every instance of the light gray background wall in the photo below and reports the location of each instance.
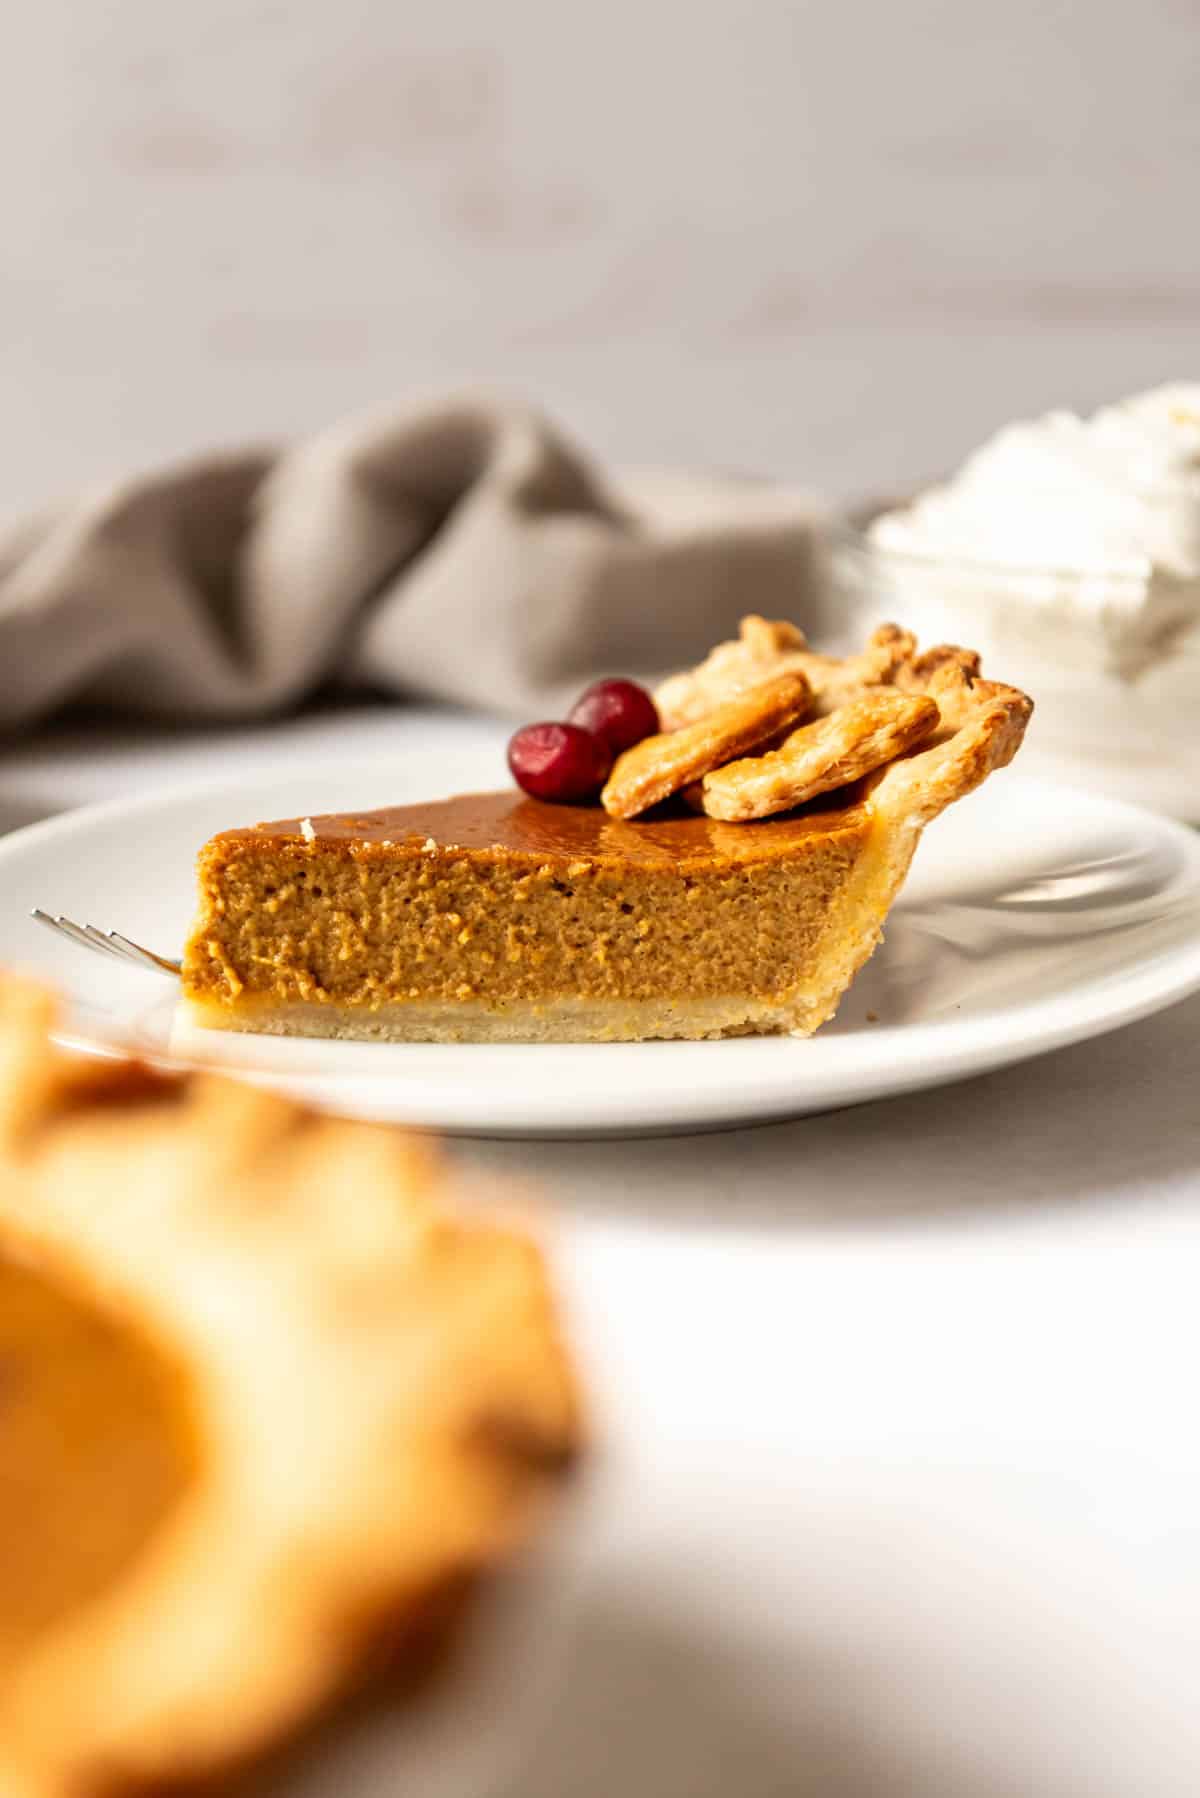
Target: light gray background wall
(838, 241)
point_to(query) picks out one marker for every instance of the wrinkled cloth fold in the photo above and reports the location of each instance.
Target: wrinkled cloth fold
(461, 550)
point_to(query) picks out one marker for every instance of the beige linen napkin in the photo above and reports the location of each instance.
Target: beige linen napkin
(461, 550)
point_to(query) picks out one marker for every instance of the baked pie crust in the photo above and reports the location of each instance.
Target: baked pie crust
(766, 648)
(494, 917)
(662, 765)
(819, 757)
(275, 1399)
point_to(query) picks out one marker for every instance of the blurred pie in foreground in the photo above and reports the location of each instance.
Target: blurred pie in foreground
(271, 1402)
(732, 879)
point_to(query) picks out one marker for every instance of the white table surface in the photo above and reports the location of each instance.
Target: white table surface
(900, 1485)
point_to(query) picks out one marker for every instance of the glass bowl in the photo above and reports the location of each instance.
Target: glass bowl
(1111, 659)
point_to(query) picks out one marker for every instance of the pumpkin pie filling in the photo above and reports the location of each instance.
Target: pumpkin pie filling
(96, 1450)
(506, 914)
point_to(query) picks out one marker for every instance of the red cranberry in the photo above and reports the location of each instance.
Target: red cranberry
(619, 711)
(562, 762)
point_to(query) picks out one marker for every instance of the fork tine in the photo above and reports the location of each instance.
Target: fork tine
(107, 942)
(43, 917)
(158, 964)
(66, 927)
(99, 940)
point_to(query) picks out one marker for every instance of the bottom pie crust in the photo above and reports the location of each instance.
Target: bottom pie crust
(557, 1021)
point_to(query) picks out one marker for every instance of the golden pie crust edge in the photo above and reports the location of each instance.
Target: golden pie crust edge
(379, 1389)
(820, 756)
(981, 726)
(981, 722)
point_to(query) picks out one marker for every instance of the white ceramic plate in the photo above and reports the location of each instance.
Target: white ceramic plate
(1035, 916)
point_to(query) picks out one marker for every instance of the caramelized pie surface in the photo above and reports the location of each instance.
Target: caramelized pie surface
(507, 826)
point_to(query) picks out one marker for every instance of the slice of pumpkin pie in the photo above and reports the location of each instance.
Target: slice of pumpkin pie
(734, 877)
(271, 1402)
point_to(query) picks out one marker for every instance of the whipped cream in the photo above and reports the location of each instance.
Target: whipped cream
(1068, 549)
(1114, 497)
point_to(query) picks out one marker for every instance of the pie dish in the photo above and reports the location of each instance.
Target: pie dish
(274, 1401)
(495, 917)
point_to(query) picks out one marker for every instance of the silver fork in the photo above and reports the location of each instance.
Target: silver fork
(108, 942)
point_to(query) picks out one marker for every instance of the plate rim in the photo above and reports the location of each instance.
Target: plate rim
(939, 1051)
